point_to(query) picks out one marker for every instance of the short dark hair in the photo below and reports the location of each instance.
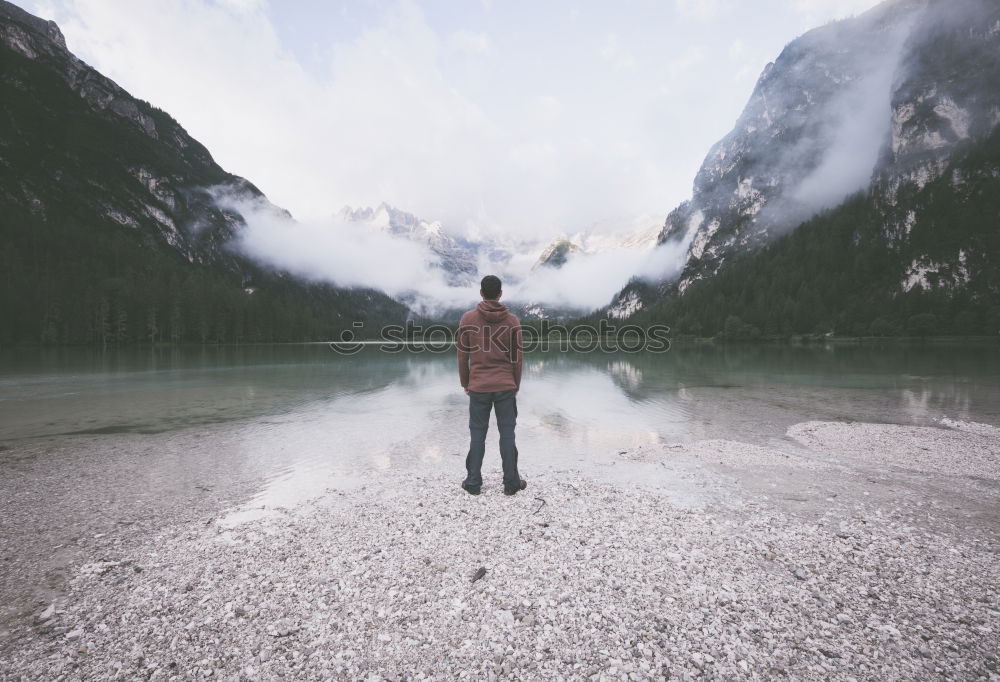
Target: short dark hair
(490, 286)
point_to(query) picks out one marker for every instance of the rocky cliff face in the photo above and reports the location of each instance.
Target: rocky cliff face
(878, 102)
(946, 101)
(102, 193)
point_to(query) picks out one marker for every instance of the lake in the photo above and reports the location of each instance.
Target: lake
(286, 405)
(305, 412)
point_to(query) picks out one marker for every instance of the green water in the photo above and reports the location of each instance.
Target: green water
(743, 391)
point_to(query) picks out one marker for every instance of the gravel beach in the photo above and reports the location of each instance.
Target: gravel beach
(407, 577)
(961, 448)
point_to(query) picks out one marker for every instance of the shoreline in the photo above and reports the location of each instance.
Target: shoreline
(599, 582)
(684, 340)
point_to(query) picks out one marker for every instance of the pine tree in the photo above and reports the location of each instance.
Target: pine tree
(152, 330)
(121, 325)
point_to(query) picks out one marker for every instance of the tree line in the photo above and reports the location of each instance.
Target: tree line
(101, 286)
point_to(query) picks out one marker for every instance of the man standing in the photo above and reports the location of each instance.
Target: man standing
(489, 367)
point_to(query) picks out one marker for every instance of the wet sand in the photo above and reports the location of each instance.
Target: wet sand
(843, 550)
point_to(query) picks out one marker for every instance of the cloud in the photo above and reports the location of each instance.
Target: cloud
(814, 11)
(859, 124)
(684, 62)
(357, 254)
(855, 124)
(383, 124)
(701, 9)
(547, 109)
(436, 112)
(392, 116)
(345, 253)
(589, 281)
(585, 282)
(479, 118)
(615, 54)
(470, 42)
(244, 6)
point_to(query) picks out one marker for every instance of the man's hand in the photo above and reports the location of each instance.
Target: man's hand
(466, 391)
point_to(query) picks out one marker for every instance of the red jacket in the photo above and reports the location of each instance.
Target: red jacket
(490, 349)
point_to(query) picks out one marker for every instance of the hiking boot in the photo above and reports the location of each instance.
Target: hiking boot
(509, 491)
(471, 491)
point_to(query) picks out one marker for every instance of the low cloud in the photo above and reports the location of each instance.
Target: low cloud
(588, 281)
(355, 254)
(838, 154)
(859, 125)
(340, 252)
(585, 282)
(402, 107)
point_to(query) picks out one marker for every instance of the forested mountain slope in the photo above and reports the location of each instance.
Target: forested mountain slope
(108, 229)
(835, 273)
(884, 128)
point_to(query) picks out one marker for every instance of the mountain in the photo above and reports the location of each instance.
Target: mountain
(640, 232)
(458, 257)
(111, 231)
(889, 117)
(465, 259)
(557, 253)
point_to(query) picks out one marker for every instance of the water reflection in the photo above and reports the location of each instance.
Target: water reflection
(312, 409)
(893, 383)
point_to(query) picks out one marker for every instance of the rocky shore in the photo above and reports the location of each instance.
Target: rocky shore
(573, 579)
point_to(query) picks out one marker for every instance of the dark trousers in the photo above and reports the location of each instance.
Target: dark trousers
(504, 403)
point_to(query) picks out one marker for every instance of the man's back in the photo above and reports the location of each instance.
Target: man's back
(489, 349)
(489, 366)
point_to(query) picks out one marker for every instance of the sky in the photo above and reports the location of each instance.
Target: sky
(513, 117)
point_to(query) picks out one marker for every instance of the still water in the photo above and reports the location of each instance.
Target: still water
(374, 399)
(303, 417)
(676, 395)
